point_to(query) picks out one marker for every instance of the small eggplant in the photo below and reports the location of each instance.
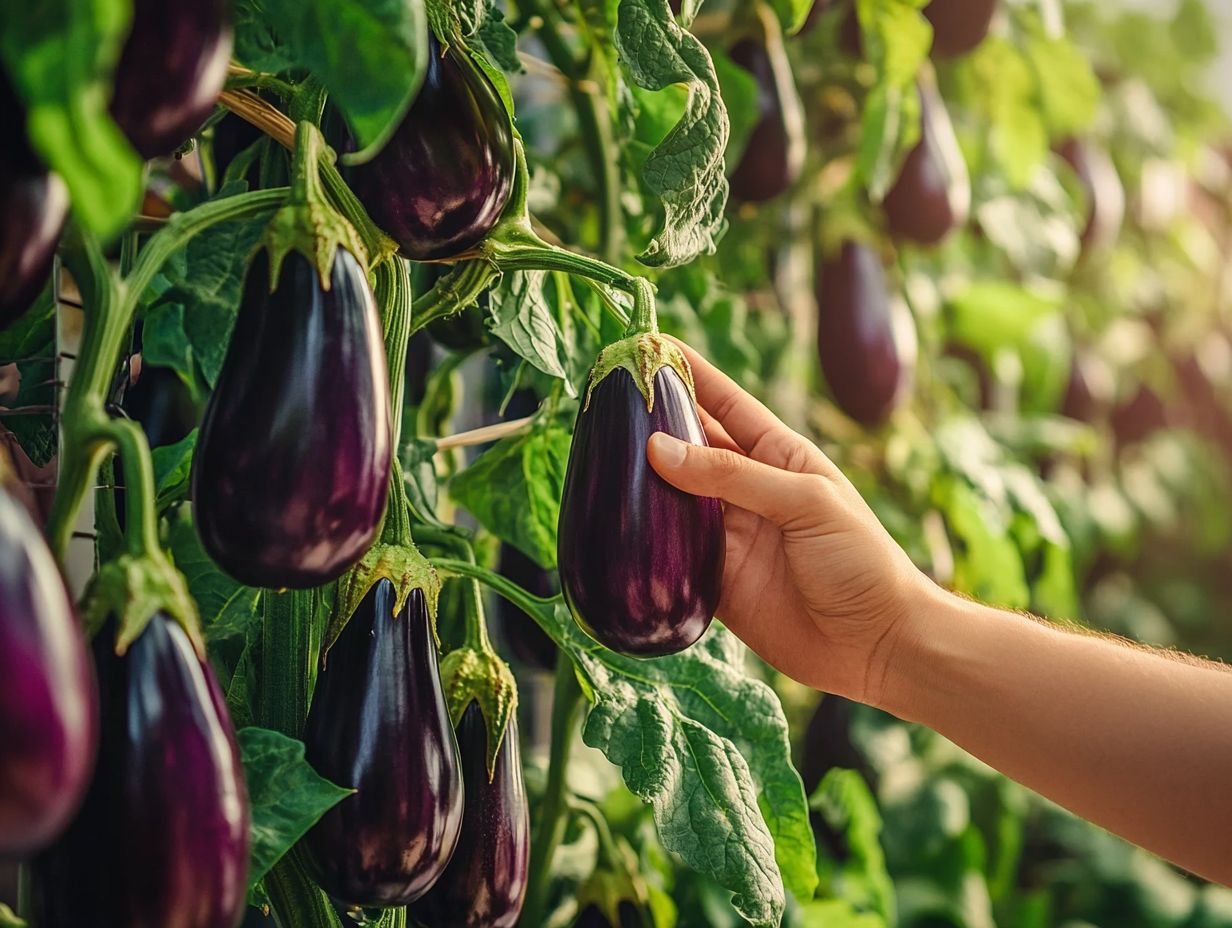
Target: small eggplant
(442, 181)
(485, 882)
(861, 357)
(170, 72)
(959, 25)
(33, 207)
(774, 155)
(48, 707)
(162, 838)
(291, 471)
(641, 563)
(932, 195)
(378, 723)
(162, 404)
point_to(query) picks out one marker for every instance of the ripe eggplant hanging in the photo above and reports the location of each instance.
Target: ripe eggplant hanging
(774, 155)
(862, 359)
(932, 195)
(378, 723)
(485, 882)
(530, 643)
(172, 67)
(442, 181)
(48, 707)
(161, 840)
(959, 25)
(641, 563)
(33, 207)
(1105, 194)
(291, 471)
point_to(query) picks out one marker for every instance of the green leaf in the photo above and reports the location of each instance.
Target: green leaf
(31, 344)
(791, 13)
(706, 746)
(369, 54)
(848, 806)
(836, 913)
(686, 169)
(172, 469)
(514, 490)
(286, 796)
(10, 920)
(190, 324)
(519, 315)
(419, 474)
(60, 55)
(1068, 88)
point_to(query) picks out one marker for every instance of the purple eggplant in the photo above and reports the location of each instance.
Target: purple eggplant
(162, 838)
(485, 882)
(932, 194)
(48, 707)
(774, 155)
(379, 724)
(641, 563)
(530, 643)
(291, 471)
(1104, 192)
(959, 25)
(171, 70)
(33, 207)
(862, 361)
(442, 181)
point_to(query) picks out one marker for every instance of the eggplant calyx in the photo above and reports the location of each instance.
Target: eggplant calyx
(134, 589)
(307, 223)
(470, 675)
(642, 356)
(401, 565)
(616, 881)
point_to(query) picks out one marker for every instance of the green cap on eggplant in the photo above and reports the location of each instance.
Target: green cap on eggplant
(136, 588)
(471, 674)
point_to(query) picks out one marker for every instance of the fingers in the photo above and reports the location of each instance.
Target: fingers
(781, 496)
(716, 434)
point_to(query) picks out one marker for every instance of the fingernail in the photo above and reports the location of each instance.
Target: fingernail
(668, 450)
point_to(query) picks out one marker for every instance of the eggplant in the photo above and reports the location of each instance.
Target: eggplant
(162, 404)
(48, 706)
(529, 643)
(959, 25)
(485, 882)
(171, 70)
(774, 155)
(291, 471)
(592, 917)
(932, 195)
(641, 563)
(33, 208)
(860, 356)
(1104, 192)
(442, 181)
(378, 723)
(161, 840)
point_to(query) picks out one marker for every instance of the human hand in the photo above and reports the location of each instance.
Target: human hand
(813, 582)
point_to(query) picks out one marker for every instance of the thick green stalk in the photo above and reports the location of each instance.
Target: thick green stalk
(296, 901)
(554, 807)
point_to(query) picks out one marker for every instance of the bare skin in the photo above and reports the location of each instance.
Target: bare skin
(1136, 740)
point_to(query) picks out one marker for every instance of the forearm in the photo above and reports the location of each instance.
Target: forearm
(1136, 741)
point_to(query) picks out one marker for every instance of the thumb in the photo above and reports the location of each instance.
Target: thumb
(777, 495)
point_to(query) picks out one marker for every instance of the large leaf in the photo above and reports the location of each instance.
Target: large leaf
(706, 746)
(369, 54)
(286, 796)
(848, 806)
(59, 55)
(188, 327)
(686, 169)
(172, 470)
(519, 315)
(514, 490)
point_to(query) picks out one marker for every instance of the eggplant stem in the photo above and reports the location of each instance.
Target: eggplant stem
(484, 434)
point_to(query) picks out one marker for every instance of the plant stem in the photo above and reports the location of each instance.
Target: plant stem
(295, 900)
(554, 807)
(484, 434)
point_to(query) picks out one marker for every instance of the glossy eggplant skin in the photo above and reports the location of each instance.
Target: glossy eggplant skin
(485, 882)
(959, 25)
(932, 194)
(772, 160)
(161, 840)
(442, 181)
(291, 471)
(378, 723)
(172, 67)
(48, 706)
(641, 563)
(855, 335)
(33, 208)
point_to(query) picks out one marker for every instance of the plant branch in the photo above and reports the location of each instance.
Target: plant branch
(484, 434)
